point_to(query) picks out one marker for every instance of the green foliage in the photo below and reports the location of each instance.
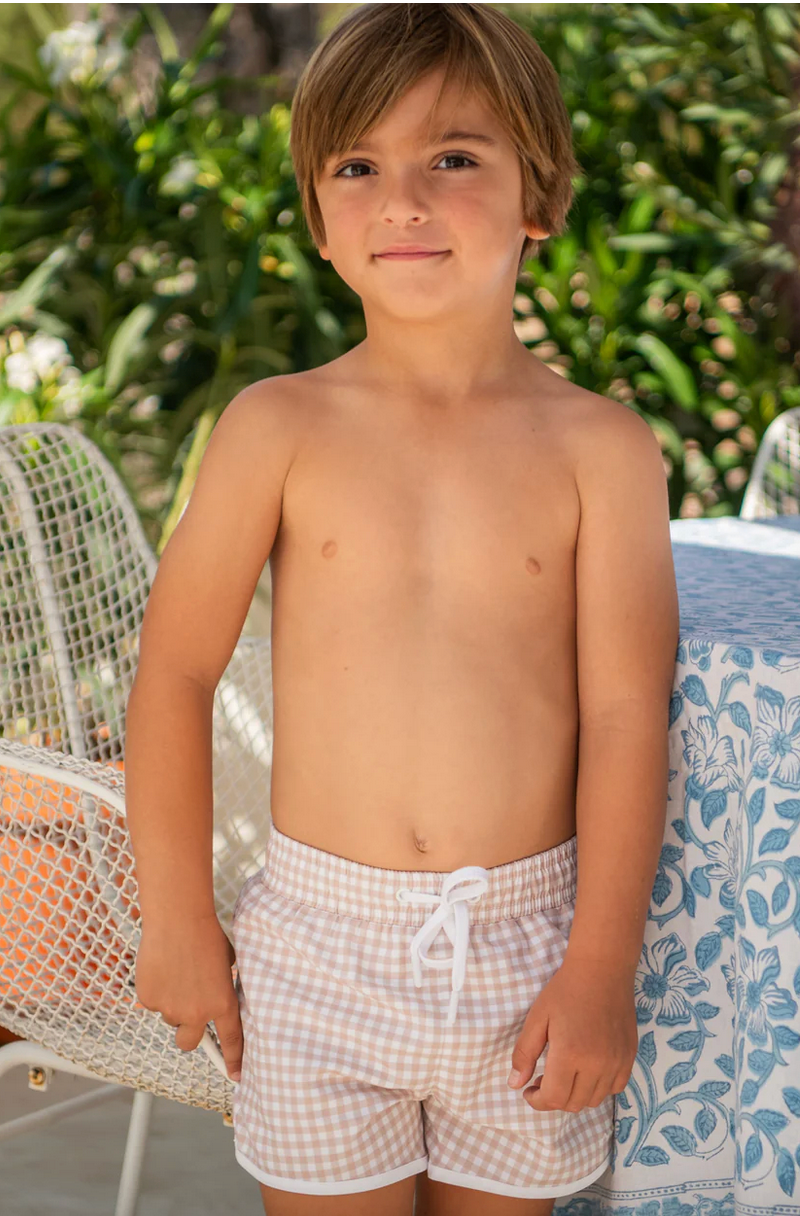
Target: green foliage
(154, 253)
(666, 291)
(154, 260)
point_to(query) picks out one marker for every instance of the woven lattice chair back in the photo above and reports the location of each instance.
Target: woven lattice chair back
(75, 572)
(774, 485)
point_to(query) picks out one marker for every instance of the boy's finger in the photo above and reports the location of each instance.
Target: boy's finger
(188, 1035)
(526, 1055)
(553, 1094)
(231, 1041)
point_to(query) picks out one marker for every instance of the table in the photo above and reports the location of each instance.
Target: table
(710, 1119)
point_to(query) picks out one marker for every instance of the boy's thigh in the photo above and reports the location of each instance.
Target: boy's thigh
(394, 1200)
(443, 1199)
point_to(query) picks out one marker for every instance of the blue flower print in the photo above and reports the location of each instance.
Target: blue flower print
(663, 984)
(710, 758)
(777, 737)
(758, 997)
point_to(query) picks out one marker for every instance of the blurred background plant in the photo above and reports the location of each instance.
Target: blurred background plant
(154, 258)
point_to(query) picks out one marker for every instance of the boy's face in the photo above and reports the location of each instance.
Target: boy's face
(403, 189)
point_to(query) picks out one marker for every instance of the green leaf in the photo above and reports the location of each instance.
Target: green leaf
(679, 381)
(125, 344)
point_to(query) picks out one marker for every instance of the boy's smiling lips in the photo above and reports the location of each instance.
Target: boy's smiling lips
(411, 255)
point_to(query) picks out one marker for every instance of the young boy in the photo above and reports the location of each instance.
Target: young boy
(474, 634)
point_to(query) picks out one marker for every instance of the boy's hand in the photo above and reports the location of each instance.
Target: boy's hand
(587, 1015)
(183, 972)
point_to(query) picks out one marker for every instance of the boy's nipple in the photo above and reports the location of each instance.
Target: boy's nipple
(532, 566)
(329, 548)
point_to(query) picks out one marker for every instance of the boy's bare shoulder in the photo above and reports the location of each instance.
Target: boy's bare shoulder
(607, 438)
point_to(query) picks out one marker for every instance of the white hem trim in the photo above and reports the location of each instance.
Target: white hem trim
(349, 1186)
(438, 1174)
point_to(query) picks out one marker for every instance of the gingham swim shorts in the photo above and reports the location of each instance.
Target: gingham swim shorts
(376, 1048)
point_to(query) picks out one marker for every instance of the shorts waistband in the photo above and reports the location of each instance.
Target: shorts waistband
(351, 888)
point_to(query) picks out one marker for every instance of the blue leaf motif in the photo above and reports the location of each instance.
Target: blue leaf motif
(623, 1100)
(662, 887)
(785, 1172)
(651, 1154)
(679, 828)
(742, 656)
(755, 807)
(753, 1151)
(704, 1123)
(679, 1074)
(681, 1139)
(775, 841)
(707, 950)
(749, 1092)
(705, 1010)
(714, 1089)
(789, 809)
(741, 716)
(695, 689)
(791, 1097)
(690, 903)
(675, 707)
(725, 1064)
(770, 1120)
(687, 1040)
(671, 853)
(699, 880)
(647, 1049)
(740, 916)
(780, 897)
(760, 1061)
(713, 805)
(786, 1038)
(726, 925)
(758, 908)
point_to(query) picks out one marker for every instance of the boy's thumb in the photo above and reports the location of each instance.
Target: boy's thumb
(529, 1047)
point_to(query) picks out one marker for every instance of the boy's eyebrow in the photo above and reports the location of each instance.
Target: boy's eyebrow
(475, 136)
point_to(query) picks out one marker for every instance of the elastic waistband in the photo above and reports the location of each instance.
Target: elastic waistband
(325, 880)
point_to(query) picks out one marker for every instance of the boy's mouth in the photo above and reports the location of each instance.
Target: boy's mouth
(410, 257)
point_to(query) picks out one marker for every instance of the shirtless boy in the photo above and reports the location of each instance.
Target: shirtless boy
(474, 632)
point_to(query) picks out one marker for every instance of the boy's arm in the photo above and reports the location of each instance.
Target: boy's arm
(627, 640)
(193, 619)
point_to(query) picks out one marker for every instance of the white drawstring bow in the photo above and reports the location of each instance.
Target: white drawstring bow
(452, 915)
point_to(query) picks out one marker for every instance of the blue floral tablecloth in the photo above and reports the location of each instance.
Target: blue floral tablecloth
(710, 1120)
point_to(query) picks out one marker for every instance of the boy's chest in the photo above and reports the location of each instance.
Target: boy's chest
(453, 512)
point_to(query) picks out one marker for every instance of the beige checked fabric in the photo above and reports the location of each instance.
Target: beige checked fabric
(380, 1009)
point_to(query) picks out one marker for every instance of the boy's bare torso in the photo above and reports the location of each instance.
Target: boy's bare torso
(423, 623)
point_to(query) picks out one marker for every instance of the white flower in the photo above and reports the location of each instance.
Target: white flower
(180, 176)
(76, 54)
(71, 54)
(48, 354)
(20, 372)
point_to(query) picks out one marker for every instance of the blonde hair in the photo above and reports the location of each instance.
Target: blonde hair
(378, 51)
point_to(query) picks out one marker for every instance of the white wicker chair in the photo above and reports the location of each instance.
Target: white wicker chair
(75, 572)
(774, 485)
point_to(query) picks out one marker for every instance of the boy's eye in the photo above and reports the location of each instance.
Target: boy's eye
(447, 156)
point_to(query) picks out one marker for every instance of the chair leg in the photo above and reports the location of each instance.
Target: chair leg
(130, 1180)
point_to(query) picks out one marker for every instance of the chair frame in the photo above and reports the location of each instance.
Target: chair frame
(231, 704)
